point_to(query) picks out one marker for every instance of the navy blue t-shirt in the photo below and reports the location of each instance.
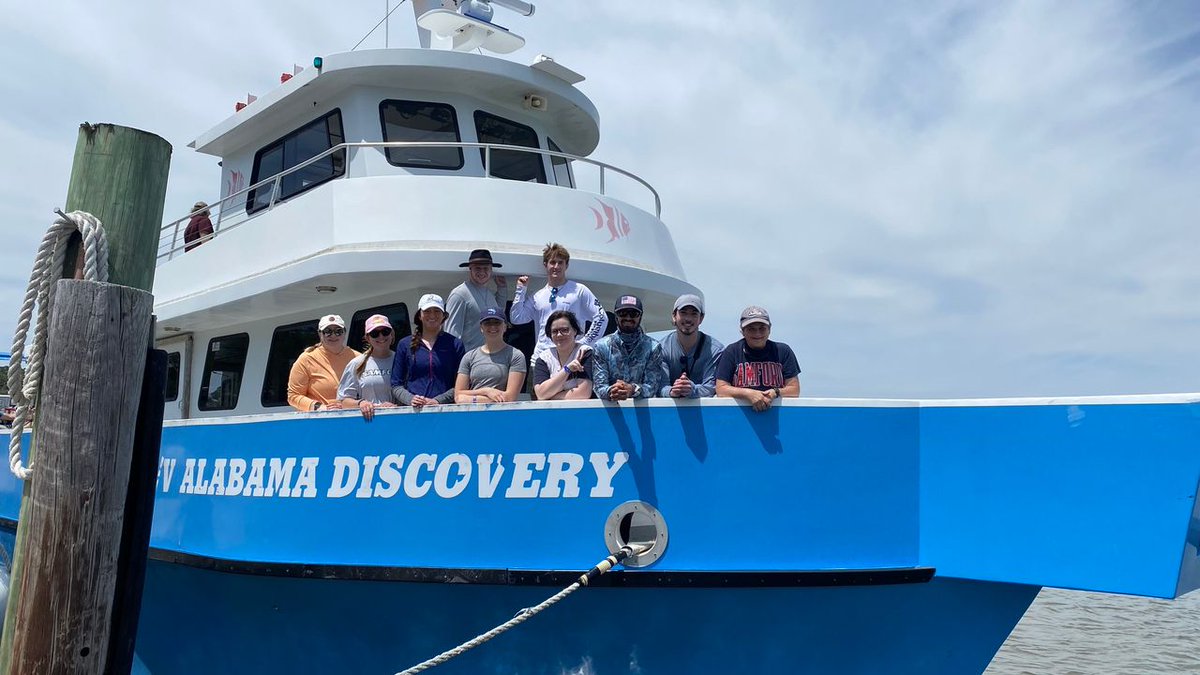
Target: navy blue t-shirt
(760, 369)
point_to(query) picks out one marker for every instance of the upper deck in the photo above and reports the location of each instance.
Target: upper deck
(375, 173)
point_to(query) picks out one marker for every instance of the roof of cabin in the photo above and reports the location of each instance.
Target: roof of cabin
(570, 117)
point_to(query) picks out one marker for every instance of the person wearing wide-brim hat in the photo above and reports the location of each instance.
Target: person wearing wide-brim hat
(199, 229)
(468, 300)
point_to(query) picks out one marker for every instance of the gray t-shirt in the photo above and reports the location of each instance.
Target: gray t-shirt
(491, 370)
(375, 383)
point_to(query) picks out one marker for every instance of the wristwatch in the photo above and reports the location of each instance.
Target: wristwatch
(777, 394)
(315, 405)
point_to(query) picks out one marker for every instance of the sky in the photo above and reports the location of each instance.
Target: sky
(934, 201)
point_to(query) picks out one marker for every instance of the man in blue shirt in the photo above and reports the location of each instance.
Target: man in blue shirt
(689, 355)
(628, 363)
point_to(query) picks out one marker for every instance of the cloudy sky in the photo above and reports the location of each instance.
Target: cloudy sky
(994, 199)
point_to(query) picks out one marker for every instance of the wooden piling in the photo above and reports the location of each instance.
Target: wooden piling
(120, 176)
(88, 409)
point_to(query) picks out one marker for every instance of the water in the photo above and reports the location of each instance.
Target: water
(1068, 633)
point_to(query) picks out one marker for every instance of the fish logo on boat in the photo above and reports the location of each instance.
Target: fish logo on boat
(612, 218)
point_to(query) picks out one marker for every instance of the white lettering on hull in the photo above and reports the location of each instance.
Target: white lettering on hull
(529, 475)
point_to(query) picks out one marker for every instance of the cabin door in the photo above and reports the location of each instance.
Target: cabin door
(178, 387)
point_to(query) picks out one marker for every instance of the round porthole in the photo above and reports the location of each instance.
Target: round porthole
(636, 523)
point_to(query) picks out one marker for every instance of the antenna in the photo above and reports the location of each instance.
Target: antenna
(464, 25)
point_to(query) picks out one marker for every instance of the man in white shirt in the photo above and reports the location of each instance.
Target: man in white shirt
(471, 298)
(558, 293)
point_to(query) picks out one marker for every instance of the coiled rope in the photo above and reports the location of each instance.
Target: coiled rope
(529, 612)
(24, 385)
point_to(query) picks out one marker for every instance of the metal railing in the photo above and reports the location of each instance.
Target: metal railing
(232, 210)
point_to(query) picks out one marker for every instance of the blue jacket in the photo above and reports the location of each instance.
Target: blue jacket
(426, 373)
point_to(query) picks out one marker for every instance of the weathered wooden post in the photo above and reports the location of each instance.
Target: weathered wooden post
(73, 511)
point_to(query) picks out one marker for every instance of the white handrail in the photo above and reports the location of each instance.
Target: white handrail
(238, 199)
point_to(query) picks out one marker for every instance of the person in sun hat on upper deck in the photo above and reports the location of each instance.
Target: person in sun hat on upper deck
(426, 363)
(628, 363)
(756, 369)
(473, 296)
(689, 355)
(367, 381)
(199, 229)
(313, 381)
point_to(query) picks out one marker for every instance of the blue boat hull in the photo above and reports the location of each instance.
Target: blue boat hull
(200, 621)
(802, 539)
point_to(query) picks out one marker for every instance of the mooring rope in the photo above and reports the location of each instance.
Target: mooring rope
(529, 612)
(23, 385)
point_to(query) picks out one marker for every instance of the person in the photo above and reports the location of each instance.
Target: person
(367, 381)
(689, 355)
(199, 228)
(565, 370)
(755, 369)
(469, 299)
(426, 362)
(313, 381)
(493, 372)
(558, 293)
(629, 363)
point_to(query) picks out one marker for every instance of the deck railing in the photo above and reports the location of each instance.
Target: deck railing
(231, 211)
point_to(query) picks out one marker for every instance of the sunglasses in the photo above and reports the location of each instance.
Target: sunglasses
(332, 332)
(553, 294)
(380, 332)
(628, 314)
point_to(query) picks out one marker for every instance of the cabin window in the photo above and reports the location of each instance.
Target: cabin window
(294, 149)
(560, 165)
(223, 367)
(397, 315)
(171, 386)
(420, 121)
(287, 343)
(510, 164)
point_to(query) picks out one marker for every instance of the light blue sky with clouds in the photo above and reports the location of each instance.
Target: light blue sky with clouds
(956, 199)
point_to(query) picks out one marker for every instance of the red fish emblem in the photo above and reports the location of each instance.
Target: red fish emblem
(612, 218)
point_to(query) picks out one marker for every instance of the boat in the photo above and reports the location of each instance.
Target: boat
(825, 535)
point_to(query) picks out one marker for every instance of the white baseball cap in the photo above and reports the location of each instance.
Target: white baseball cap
(331, 320)
(431, 300)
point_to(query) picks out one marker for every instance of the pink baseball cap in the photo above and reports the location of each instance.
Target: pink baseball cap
(376, 321)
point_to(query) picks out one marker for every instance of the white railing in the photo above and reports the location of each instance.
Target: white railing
(231, 211)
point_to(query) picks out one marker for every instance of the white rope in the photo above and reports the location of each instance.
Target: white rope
(529, 612)
(24, 385)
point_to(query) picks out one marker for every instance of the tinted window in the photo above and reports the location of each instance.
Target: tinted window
(397, 315)
(297, 147)
(561, 167)
(223, 367)
(171, 386)
(417, 121)
(510, 164)
(287, 343)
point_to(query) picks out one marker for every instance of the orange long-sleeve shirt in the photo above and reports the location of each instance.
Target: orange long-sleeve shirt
(315, 376)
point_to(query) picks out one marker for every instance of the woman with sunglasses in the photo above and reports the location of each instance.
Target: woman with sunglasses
(313, 382)
(367, 381)
(493, 372)
(426, 363)
(565, 370)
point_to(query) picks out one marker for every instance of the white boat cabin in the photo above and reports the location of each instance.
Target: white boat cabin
(362, 182)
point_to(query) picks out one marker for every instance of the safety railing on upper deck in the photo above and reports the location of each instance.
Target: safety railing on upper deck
(232, 210)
